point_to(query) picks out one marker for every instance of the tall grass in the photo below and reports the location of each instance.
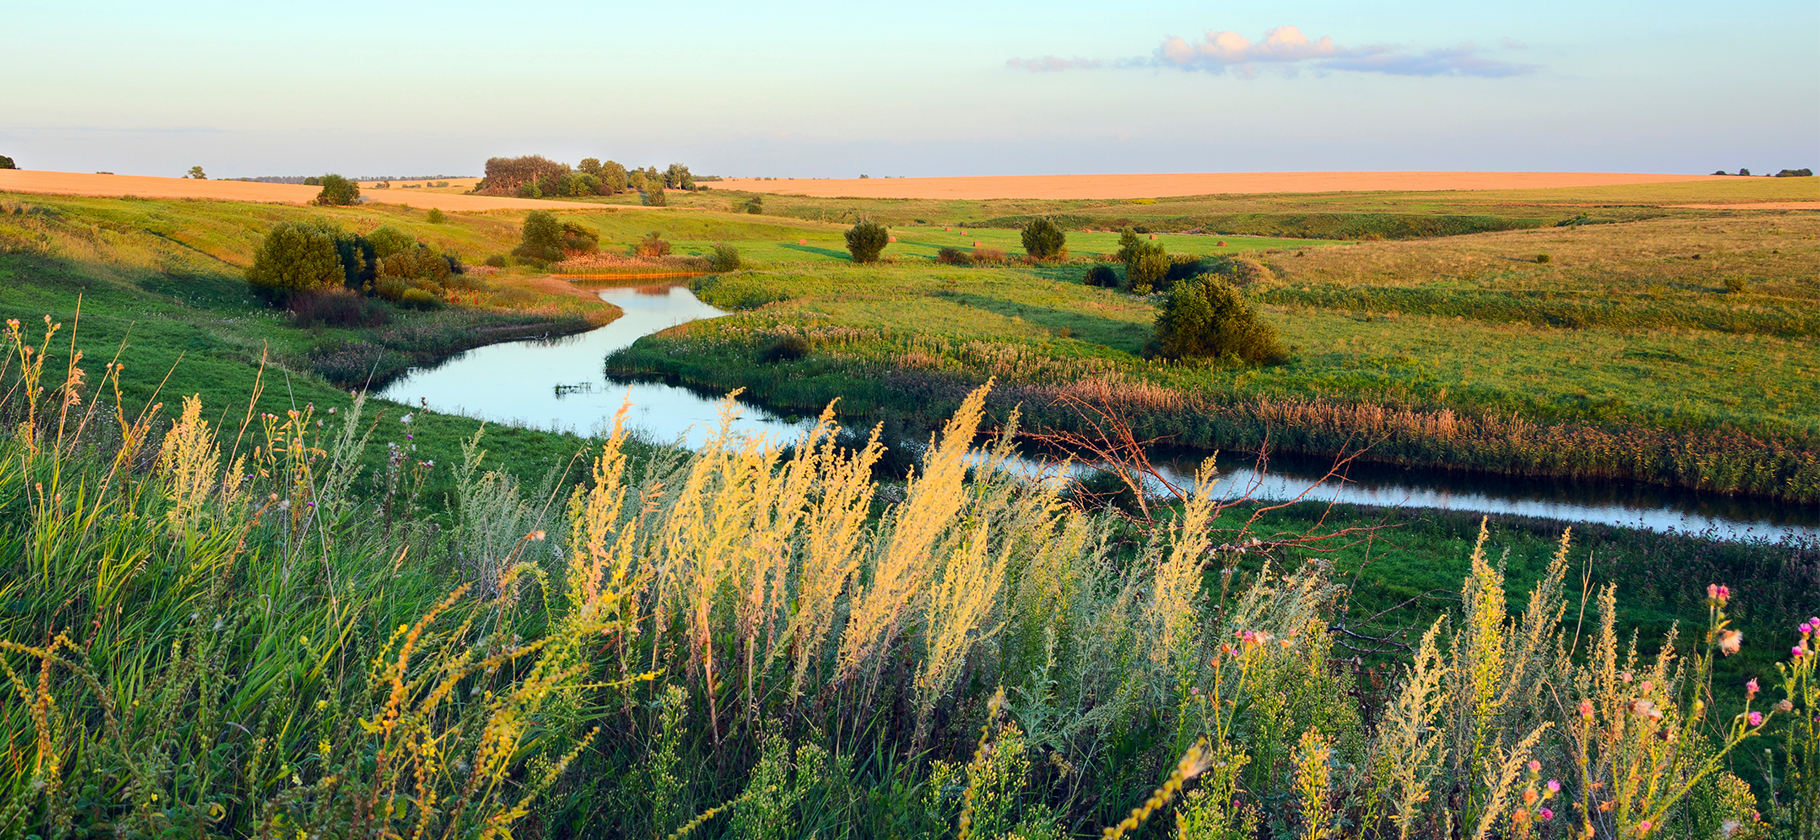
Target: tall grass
(224, 628)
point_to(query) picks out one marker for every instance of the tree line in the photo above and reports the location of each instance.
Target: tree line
(535, 176)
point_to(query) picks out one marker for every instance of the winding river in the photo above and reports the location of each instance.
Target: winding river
(558, 384)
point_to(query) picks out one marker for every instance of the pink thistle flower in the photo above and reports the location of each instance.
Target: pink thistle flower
(1750, 688)
(1535, 766)
(1586, 709)
(1645, 826)
(1756, 718)
(1545, 814)
(1553, 786)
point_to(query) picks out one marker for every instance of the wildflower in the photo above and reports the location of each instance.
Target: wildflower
(1625, 676)
(1730, 641)
(1535, 766)
(1756, 718)
(1645, 826)
(406, 419)
(1785, 707)
(1796, 651)
(1586, 709)
(1553, 786)
(1750, 688)
(331, 410)
(537, 535)
(1545, 814)
(1646, 687)
(1729, 827)
(1717, 594)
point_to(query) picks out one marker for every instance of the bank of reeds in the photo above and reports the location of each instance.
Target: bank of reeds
(229, 629)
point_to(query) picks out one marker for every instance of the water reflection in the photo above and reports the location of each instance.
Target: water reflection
(559, 384)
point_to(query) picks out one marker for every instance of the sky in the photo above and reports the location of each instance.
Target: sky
(839, 89)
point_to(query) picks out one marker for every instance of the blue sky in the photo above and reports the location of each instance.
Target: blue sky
(831, 89)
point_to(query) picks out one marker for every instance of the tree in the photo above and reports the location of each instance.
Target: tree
(867, 240)
(1146, 263)
(389, 241)
(726, 258)
(542, 237)
(590, 166)
(577, 184)
(196, 173)
(756, 206)
(338, 191)
(6, 163)
(1207, 318)
(507, 176)
(1043, 239)
(677, 177)
(296, 258)
(612, 178)
(654, 192)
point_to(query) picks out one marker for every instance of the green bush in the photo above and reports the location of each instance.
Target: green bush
(496, 261)
(612, 178)
(416, 263)
(1044, 240)
(436, 217)
(1102, 276)
(653, 195)
(388, 240)
(787, 348)
(1147, 267)
(725, 258)
(577, 184)
(295, 258)
(756, 206)
(338, 191)
(419, 299)
(953, 256)
(529, 189)
(1208, 318)
(579, 238)
(867, 240)
(542, 237)
(1543, 258)
(653, 245)
(1243, 271)
(1734, 284)
(7, 163)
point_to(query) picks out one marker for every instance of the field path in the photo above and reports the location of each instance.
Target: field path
(144, 186)
(1200, 183)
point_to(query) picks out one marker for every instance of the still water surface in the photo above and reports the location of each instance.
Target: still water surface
(559, 384)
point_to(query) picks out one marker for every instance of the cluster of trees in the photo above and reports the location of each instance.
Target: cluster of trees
(1786, 173)
(535, 176)
(6, 163)
(337, 191)
(301, 259)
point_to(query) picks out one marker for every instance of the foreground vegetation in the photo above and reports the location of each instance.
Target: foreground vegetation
(236, 629)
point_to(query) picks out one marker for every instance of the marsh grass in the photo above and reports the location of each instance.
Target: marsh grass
(210, 629)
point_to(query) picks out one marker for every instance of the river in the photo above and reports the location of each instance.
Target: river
(559, 384)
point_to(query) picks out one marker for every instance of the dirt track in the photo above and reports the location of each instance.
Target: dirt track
(1164, 185)
(78, 183)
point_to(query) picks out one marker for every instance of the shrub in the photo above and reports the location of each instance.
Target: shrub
(653, 195)
(1044, 240)
(419, 299)
(7, 163)
(1543, 258)
(542, 237)
(653, 245)
(1209, 318)
(725, 258)
(1734, 284)
(785, 348)
(987, 256)
(578, 238)
(417, 263)
(577, 184)
(496, 261)
(867, 240)
(337, 308)
(1148, 266)
(756, 205)
(388, 240)
(338, 191)
(295, 258)
(953, 256)
(1102, 276)
(1786, 173)
(1181, 267)
(436, 217)
(1243, 271)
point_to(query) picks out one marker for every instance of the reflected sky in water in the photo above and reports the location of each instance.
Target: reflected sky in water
(560, 384)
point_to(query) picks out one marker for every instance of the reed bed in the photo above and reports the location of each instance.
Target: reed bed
(229, 628)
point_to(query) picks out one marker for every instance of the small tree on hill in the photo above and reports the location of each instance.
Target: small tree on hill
(653, 195)
(1043, 239)
(388, 241)
(6, 163)
(295, 258)
(196, 173)
(542, 237)
(677, 177)
(338, 191)
(1146, 267)
(756, 206)
(1207, 318)
(867, 240)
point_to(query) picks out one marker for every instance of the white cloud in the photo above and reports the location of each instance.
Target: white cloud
(1287, 50)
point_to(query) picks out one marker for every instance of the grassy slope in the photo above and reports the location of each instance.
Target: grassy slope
(1592, 337)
